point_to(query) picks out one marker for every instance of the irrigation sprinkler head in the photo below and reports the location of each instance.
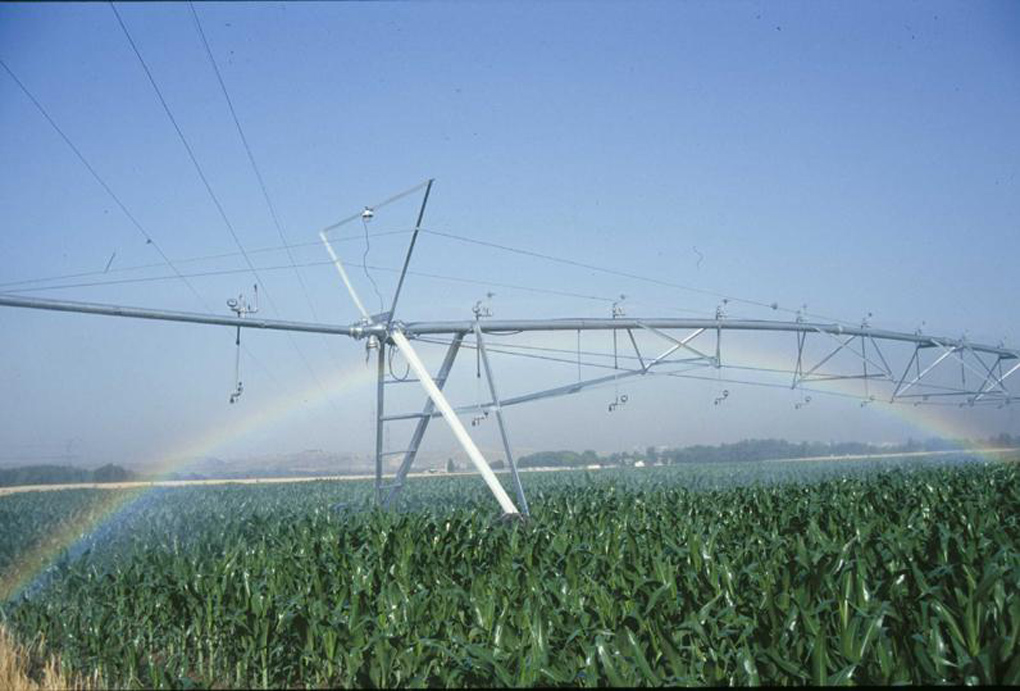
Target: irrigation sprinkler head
(617, 309)
(241, 307)
(720, 309)
(481, 310)
(620, 400)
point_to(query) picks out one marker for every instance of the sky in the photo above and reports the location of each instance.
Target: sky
(852, 157)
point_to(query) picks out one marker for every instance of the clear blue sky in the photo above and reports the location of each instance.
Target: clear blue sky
(857, 157)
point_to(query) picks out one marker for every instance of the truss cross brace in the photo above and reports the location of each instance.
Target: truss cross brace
(680, 343)
(423, 423)
(986, 389)
(400, 340)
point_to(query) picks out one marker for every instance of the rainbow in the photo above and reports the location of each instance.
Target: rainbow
(113, 504)
(943, 422)
(947, 422)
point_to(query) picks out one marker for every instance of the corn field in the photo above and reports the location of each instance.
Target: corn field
(796, 573)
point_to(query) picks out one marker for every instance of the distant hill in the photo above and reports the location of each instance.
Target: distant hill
(63, 475)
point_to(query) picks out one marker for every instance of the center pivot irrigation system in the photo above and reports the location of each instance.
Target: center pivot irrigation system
(850, 352)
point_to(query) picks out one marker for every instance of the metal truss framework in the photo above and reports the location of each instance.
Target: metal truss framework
(981, 374)
(862, 354)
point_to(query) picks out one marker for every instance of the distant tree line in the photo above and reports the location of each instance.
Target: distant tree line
(63, 475)
(559, 459)
(741, 451)
(749, 450)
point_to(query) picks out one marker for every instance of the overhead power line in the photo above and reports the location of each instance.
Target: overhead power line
(212, 194)
(251, 159)
(226, 272)
(187, 148)
(255, 169)
(623, 274)
(149, 239)
(191, 260)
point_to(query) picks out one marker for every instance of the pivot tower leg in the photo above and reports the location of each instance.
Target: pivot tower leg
(454, 422)
(423, 423)
(380, 389)
(499, 419)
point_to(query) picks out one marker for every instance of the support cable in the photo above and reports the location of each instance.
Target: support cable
(419, 274)
(199, 258)
(622, 274)
(717, 378)
(364, 266)
(149, 239)
(255, 168)
(212, 194)
(821, 376)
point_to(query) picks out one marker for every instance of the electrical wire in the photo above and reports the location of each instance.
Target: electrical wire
(364, 267)
(407, 368)
(254, 166)
(213, 197)
(149, 240)
(376, 206)
(622, 274)
(187, 147)
(225, 272)
(200, 258)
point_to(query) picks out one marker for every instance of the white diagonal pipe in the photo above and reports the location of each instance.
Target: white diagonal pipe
(453, 421)
(343, 274)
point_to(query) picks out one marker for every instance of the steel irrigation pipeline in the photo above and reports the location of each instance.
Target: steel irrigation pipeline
(258, 175)
(419, 274)
(216, 201)
(465, 239)
(502, 350)
(149, 239)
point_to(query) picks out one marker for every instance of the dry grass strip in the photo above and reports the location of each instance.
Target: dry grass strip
(29, 668)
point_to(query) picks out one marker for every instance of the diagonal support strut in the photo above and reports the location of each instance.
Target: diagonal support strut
(423, 423)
